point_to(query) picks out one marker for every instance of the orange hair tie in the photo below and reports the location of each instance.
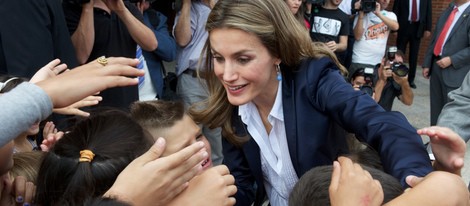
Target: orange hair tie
(86, 156)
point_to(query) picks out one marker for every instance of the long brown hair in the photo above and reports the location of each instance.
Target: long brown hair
(277, 29)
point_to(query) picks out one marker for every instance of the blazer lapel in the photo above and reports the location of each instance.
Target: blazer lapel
(290, 122)
(462, 18)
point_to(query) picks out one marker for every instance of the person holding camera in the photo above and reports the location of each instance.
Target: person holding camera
(362, 80)
(372, 27)
(108, 28)
(393, 82)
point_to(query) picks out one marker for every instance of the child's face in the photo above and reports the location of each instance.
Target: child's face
(182, 134)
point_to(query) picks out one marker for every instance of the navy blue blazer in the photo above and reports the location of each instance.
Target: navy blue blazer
(315, 97)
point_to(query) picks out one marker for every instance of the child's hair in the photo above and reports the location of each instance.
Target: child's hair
(86, 161)
(27, 164)
(157, 114)
(7, 82)
(312, 188)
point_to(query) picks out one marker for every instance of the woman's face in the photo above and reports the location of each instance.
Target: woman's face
(244, 66)
(294, 5)
(34, 129)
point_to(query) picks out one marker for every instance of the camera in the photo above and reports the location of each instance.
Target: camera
(368, 5)
(369, 76)
(399, 69)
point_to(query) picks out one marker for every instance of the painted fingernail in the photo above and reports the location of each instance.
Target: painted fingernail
(19, 199)
(26, 204)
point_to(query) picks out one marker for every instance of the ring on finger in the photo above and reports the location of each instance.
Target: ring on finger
(102, 60)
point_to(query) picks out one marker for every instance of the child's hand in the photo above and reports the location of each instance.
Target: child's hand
(448, 148)
(352, 185)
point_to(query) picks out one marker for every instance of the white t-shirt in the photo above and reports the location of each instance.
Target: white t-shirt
(371, 48)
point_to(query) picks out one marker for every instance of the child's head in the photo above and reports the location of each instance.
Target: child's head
(312, 187)
(87, 160)
(169, 120)
(27, 164)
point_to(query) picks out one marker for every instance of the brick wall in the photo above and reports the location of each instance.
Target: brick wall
(438, 6)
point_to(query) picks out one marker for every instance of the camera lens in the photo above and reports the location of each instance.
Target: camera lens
(367, 89)
(400, 70)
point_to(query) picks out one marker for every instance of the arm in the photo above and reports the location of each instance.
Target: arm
(391, 23)
(166, 49)
(380, 84)
(359, 26)
(238, 166)
(83, 38)
(139, 31)
(460, 58)
(406, 96)
(182, 29)
(400, 147)
(343, 43)
(434, 189)
(455, 114)
(25, 104)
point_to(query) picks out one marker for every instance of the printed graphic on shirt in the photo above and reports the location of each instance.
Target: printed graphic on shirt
(326, 26)
(377, 31)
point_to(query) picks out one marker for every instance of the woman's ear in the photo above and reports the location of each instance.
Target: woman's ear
(277, 61)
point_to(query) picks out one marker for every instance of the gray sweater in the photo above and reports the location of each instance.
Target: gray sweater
(20, 108)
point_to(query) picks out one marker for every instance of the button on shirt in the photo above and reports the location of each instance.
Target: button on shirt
(278, 171)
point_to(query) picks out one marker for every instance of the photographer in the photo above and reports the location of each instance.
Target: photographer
(393, 82)
(108, 28)
(362, 80)
(372, 27)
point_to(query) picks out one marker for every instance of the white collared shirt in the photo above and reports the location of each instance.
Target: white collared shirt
(278, 172)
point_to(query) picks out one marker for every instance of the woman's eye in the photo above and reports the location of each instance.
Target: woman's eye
(243, 60)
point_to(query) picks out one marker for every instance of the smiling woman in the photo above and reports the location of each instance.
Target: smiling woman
(276, 129)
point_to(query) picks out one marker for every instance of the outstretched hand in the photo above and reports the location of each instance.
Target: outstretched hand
(214, 187)
(74, 109)
(151, 180)
(352, 185)
(448, 148)
(51, 69)
(89, 79)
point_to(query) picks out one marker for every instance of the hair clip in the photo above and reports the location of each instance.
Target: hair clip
(86, 156)
(3, 84)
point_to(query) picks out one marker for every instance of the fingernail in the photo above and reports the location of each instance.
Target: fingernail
(19, 199)
(205, 154)
(26, 204)
(160, 141)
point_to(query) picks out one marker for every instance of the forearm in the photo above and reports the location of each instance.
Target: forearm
(182, 31)
(359, 28)
(406, 93)
(141, 34)
(379, 86)
(343, 43)
(83, 38)
(392, 24)
(21, 108)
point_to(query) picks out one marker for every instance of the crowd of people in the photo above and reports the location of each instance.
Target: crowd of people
(279, 102)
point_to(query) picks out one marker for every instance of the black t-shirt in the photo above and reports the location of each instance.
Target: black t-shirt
(389, 92)
(327, 25)
(33, 33)
(112, 39)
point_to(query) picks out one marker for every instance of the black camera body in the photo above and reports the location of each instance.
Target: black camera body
(369, 76)
(368, 5)
(399, 69)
